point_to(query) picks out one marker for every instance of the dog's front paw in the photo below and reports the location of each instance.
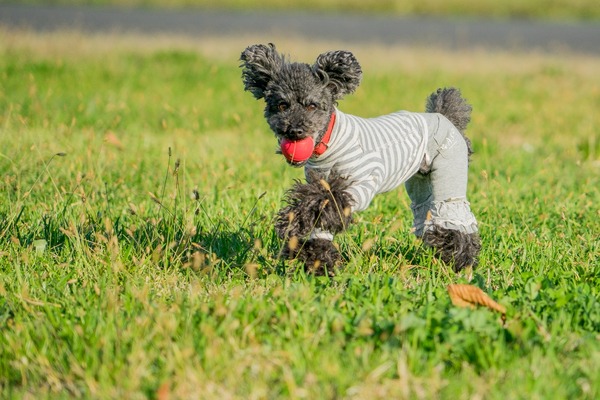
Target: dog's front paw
(320, 256)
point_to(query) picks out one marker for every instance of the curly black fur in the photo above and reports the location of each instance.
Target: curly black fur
(341, 70)
(299, 97)
(454, 248)
(260, 64)
(450, 103)
(322, 204)
(319, 256)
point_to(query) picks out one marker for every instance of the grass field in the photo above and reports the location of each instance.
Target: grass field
(138, 260)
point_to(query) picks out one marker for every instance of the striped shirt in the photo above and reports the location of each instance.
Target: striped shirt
(375, 154)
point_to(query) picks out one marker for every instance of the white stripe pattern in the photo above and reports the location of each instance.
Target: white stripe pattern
(375, 154)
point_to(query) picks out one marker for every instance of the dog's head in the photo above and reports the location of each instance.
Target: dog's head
(300, 98)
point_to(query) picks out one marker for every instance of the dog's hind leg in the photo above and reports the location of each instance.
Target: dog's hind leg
(443, 217)
(421, 195)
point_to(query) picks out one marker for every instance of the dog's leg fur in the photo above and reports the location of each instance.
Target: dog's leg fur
(453, 246)
(314, 213)
(458, 247)
(320, 256)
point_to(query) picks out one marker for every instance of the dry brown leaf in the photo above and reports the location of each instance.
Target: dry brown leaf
(471, 296)
(112, 139)
(163, 392)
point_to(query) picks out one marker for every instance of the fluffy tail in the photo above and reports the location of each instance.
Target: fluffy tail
(450, 103)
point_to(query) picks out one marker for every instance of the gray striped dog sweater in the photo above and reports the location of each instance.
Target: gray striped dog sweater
(423, 150)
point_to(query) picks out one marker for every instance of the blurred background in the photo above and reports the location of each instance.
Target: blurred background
(532, 9)
(513, 25)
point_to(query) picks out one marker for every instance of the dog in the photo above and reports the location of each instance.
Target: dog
(351, 159)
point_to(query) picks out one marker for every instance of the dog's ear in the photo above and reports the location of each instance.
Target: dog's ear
(342, 70)
(259, 63)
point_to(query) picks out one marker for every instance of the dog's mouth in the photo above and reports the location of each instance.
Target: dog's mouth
(297, 152)
(299, 146)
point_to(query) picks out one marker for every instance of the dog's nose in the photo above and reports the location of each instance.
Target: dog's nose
(295, 133)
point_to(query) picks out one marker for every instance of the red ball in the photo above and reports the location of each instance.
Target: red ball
(297, 150)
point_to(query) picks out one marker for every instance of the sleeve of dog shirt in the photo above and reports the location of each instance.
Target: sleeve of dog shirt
(362, 195)
(363, 192)
(365, 176)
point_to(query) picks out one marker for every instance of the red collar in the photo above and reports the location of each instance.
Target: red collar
(324, 143)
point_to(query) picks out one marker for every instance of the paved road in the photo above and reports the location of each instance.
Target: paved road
(450, 33)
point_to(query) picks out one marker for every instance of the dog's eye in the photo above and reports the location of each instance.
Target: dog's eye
(311, 107)
(283, 106)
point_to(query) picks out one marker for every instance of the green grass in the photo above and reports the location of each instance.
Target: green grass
(138, 259)
(535, 9)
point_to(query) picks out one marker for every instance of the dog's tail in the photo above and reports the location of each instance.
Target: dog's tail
(450, 103)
